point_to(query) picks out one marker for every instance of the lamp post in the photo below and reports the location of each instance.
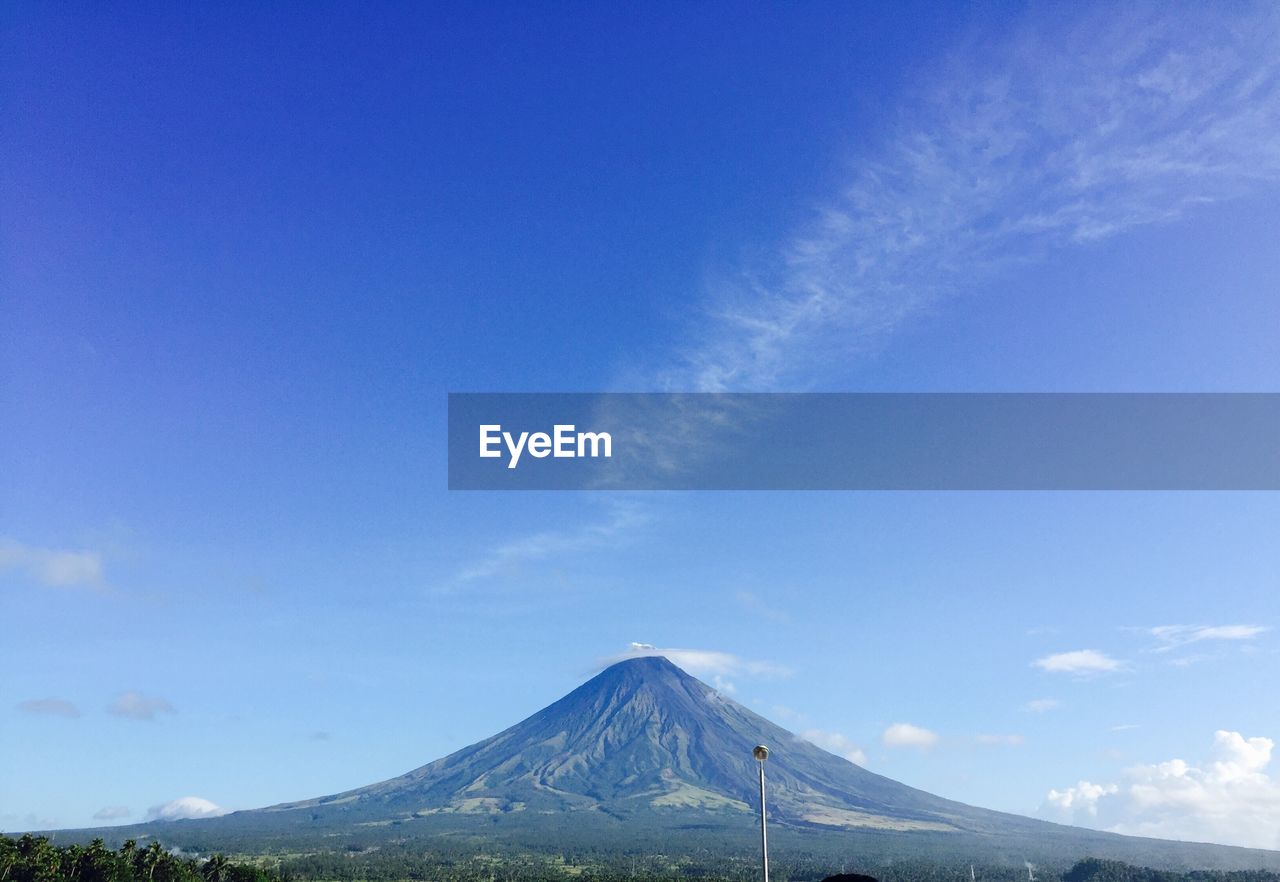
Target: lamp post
(761, 753)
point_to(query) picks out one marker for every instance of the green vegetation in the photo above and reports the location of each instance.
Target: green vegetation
(1097, 870)
(36, 859)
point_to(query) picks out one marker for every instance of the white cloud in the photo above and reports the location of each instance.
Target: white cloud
(56, 568)
(1083, 797)
(836, 743)
(1002, 740)
(1080, 661)
(1229, 798)
(112, 813)
(1175, 636)
(184, 807)
(53, 707)
(1041, 705)
(705, 663)
(137, 706)
(907, 735)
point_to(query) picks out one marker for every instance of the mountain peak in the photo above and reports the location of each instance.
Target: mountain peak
(646, 665)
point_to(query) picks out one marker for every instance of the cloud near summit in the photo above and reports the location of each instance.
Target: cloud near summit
(184, 808)
(705, 663)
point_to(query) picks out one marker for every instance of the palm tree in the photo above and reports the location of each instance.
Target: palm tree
(216, 869)
(152, 858)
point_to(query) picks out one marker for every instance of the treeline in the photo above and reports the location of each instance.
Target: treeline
(1097, 870)
(36, 859)
(392, 864)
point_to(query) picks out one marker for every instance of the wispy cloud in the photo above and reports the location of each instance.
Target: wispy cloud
(620, 519)
(1056, 136)
(908, 735)
(136, 706)
(1079, 661)
(112, 813)
(52, 567)
(755, 604)
(1172, 637)
(51, 707)
(1042, 705)
(836, 743)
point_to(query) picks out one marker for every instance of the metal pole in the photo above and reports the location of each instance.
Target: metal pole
(764, 834)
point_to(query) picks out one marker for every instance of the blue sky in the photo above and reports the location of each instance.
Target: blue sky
(246, 256)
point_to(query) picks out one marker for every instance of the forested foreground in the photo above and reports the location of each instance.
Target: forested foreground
(36, 859)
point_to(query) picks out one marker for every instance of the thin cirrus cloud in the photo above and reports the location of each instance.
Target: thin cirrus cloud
(1172, 637)
(49, 707)
(1042, 705)
(1058, 136)
(616, 528)
(51, 567)
(136, 706)
(1079, 661)
(909, 735)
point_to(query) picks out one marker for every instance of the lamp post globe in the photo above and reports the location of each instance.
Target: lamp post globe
(760, 752)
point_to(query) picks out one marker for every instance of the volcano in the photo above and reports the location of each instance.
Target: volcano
(644, 737)
(644, 755)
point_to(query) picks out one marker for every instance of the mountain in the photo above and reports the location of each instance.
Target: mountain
(644, 755)
(645, 737)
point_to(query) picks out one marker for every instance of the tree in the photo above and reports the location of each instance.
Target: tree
(216, 869)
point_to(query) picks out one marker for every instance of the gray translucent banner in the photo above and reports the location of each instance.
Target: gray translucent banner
(839, 441)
